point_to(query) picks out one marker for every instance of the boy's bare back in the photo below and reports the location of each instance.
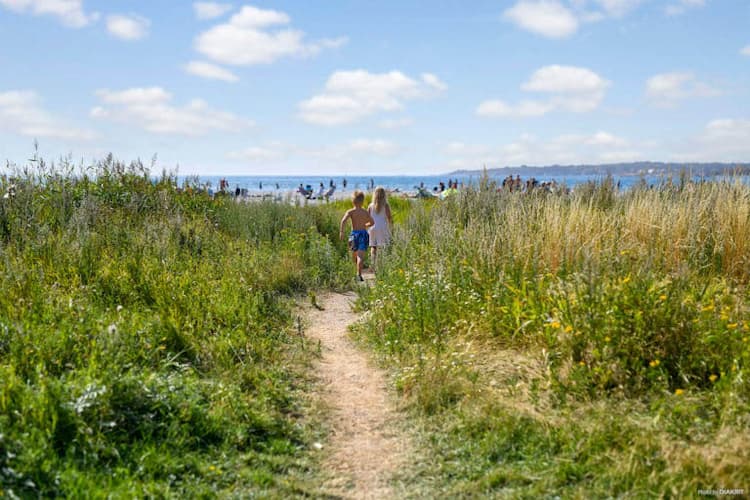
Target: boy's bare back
(360, 218)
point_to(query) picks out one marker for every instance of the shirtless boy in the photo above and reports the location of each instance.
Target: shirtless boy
(359, 240)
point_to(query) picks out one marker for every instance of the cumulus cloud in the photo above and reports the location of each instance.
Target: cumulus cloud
(128, 27)
(666, 89)
(350, 96)
(150, 108)
(258, 36)
(528, 149)
(210, 10)
(210, 71)
(725, 139)
(69, 12)
(21, 112)
(570, 88)
(548, 18)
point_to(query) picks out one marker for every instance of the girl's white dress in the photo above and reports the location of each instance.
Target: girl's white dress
(380, 233)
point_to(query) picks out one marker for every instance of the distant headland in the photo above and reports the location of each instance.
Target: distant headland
(617, 169)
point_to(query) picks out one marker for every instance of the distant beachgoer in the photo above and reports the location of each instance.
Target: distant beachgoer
(442, 186)
(260, 185)
(330, 183)
(380, 231)
(277, 186)
(359, 239)
(343, 182)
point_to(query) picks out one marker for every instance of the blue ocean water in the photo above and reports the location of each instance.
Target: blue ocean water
(282, 184)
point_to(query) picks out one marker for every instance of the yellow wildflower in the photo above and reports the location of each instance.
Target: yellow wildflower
(555, 324)
(713, 377)
(582, 363)
(708, 308)
(568, 329)
(607, 339)
(626, 280)
(732, 326)
(678, 392)
(662, 297)
(654, 363)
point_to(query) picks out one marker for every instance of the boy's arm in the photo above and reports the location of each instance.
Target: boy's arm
(343, 221)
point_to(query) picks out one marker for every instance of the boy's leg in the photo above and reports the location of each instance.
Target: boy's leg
(360, 261)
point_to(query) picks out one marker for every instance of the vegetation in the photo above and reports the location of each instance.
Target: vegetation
(584, 345)
(148, 341)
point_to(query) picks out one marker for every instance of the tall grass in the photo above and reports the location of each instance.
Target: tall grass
(522, 323)
(148, 344)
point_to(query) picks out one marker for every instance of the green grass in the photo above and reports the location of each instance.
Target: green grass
(148, 340)
(590, 345)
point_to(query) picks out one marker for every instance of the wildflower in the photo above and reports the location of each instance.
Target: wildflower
(582, 363)
(555, 324)
(626, 280)
(119, 308)
(607, 339)
(624, 252)
(654, 363)
(708, 308)
(112, 329)
(713, 377)
(732, 326)
(568, 329)
(662, 297)
(678, 392)
(162, 347)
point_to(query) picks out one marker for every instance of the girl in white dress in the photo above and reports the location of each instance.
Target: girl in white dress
(380, 232)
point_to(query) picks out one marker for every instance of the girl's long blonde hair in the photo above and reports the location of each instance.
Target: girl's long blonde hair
(378, 199)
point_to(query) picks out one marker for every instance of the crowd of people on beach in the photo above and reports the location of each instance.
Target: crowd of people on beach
(516, 184)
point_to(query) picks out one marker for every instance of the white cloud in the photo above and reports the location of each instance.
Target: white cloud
(151, 109)
(70, 12)
(666, 89)
(350, 96)
(524, 109)
(682, 6)
(357, 149)
(210, 71)
(571, 88)
(210, 10)
(131, 27)
(249, 38)
(21, 112)
(548, 18)
(565, 79)
(745, 51)
(529, 150)
(395, 123)
(725, 140)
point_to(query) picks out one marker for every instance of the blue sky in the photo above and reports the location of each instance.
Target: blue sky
(388, 87)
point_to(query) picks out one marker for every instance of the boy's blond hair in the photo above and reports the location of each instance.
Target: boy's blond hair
(358, 197)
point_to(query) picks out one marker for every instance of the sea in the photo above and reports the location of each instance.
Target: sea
(258, 185)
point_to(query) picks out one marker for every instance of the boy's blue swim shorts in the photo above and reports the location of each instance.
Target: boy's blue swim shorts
(359, 240)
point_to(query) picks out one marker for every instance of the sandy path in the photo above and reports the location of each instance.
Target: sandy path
(367, 445)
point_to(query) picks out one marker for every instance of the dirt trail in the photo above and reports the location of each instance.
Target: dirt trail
(367, 445)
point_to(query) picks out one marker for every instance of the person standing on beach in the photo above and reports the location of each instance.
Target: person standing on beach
(380, 231)
(359, 240)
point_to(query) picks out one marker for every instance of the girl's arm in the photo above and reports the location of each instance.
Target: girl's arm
(388, 215)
